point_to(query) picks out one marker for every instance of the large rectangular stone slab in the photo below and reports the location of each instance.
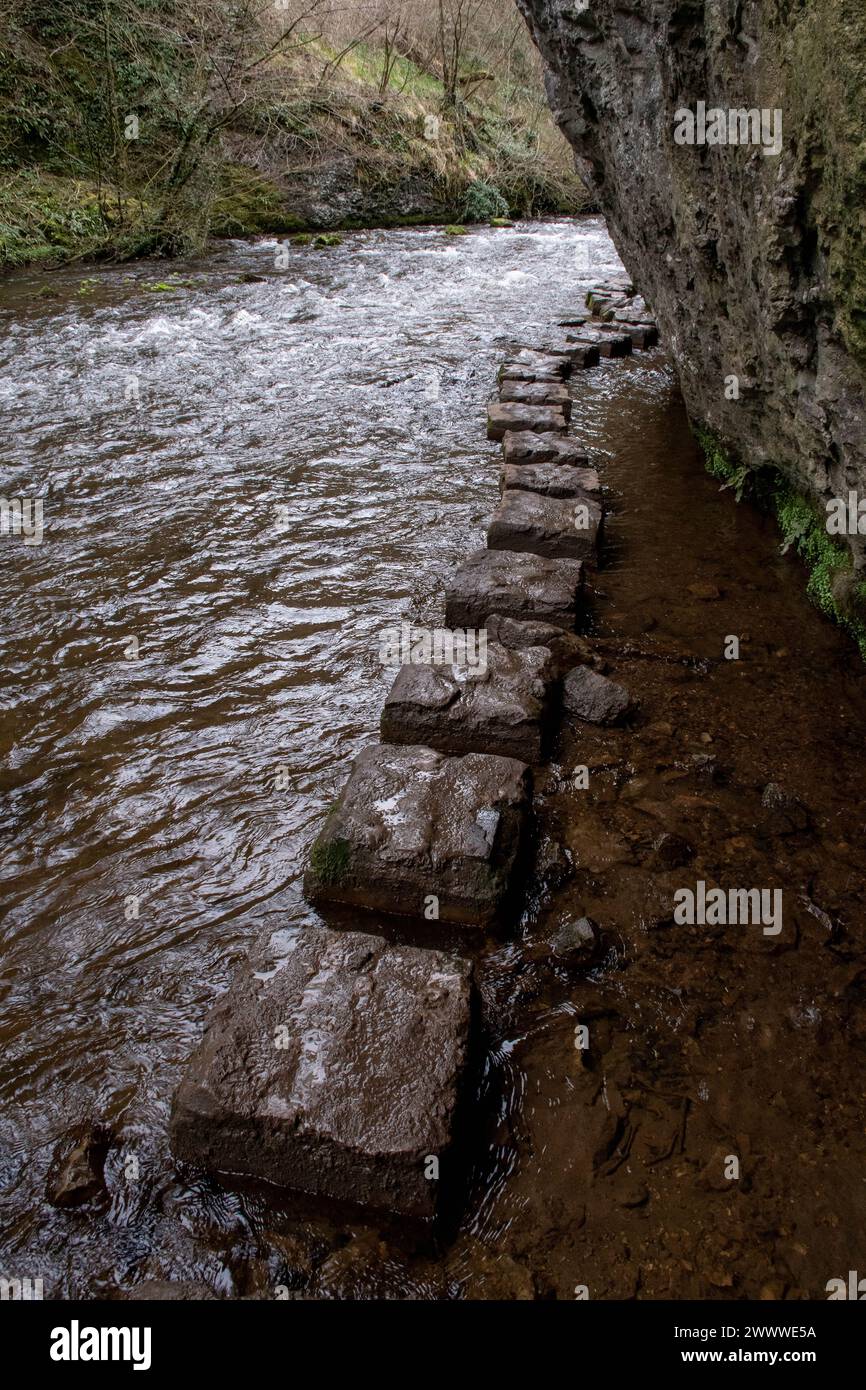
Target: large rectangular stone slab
(521, 447)
(535, 366)
(642, 335)
(558, 528)
(609, 342)
(413, 825)
(517, 415)
(614, 345)
(512, 585)
(552, 479)
(333, 1066)
(498, 707)
(583, 354)
(579, 348)
(537, 393)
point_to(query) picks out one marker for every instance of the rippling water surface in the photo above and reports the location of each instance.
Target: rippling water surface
(245, 483)
(247, 480)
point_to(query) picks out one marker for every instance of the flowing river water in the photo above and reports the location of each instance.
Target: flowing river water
(246, 481)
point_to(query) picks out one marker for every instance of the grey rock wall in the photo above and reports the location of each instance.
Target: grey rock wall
(754, 263)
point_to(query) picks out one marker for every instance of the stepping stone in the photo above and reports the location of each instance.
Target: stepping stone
(556, 527)
(334, 1065)
(580, 349)
(615, 284)
(537, 393)
(521, 586)
(578, 317)
(517, 371)
(516, 415)
(602, 296)
(607, 341)
(500, 707)
(583, 354)
(520, 447)
(552, 479)
(642, 335)
(614, 345)
(413, 826)
(589, 696)
(557, 363)
(598, 301)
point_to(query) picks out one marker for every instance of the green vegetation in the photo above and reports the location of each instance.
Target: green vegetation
(330, 860)
(133, 127)
(317, 239)
(483, 202)
(831, 585)
(823, 76)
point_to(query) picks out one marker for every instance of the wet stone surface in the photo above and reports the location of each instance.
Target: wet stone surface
(537, 393)
(512, 415)
(566, 648)
(602, 1166)
(542, 369)
(413, 825)
(556, 527)
(594, 698)
(514, 585)
(580, 350)
(500, 707)
(523, 447)
(552, 479)
(333, 1065)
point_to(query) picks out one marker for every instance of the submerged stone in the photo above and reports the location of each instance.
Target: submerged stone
(576, 941)
(514, 585)
(517, 415)
(421, 834)
(556, 527)
(787, 814)
(76, 1172)
(501, 707)
(333, 1065)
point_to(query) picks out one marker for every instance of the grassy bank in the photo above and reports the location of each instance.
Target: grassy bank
(122, 135)
(831, 582)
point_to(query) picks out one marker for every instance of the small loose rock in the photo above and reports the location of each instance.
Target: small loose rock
(594, 698)
(576, 943)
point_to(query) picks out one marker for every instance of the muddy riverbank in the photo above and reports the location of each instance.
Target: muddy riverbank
(351, 390)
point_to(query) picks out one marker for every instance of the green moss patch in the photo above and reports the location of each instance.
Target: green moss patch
(246, 203)
(330, 860)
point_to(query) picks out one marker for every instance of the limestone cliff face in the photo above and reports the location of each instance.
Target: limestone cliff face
(754, 263)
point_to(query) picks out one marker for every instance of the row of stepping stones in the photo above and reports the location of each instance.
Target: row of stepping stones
(337, 1061)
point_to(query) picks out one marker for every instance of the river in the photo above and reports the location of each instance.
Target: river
(247, 479)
